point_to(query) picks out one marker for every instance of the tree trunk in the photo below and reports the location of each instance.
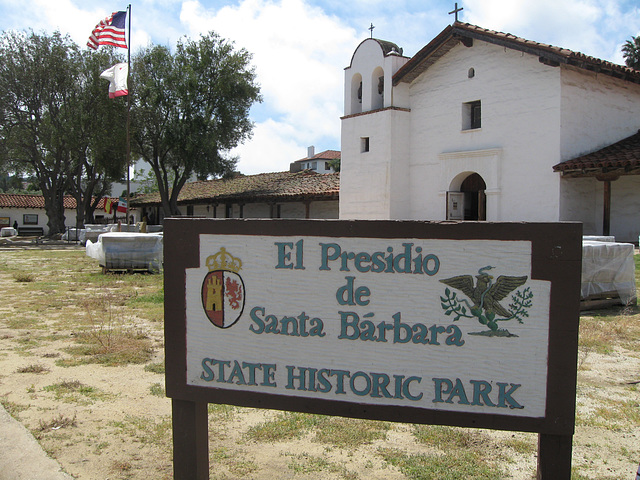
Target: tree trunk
(54, 208)
(175, 191)
(79, 211)
(90, 205)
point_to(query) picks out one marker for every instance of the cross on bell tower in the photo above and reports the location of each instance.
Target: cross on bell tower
(456, 10)
(371, 29)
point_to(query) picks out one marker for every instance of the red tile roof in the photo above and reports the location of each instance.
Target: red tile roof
(326, 155)
(19, 200)
(264, 187)
(465, 33)
(620, 158)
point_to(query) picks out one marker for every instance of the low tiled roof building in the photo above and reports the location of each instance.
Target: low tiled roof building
(27, 210)
(302, 194)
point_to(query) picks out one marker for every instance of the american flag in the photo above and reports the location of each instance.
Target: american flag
(109, 31)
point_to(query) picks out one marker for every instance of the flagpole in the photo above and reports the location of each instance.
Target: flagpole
(128, 118)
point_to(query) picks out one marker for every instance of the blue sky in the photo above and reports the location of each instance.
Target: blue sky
(301, 47)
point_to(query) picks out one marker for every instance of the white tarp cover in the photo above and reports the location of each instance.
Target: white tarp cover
(92, 232)
(608, 267)
(599, 238)
(72, 234)
(124, 250)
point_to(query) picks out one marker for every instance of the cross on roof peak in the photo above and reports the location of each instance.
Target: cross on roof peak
(455, 11)
(371, 29)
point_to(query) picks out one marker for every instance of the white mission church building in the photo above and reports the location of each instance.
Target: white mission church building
(482, 125)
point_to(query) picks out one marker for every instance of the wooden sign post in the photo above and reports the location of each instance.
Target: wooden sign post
(462, 324)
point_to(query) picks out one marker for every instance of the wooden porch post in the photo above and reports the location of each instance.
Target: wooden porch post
(606, 214)
(606, 202)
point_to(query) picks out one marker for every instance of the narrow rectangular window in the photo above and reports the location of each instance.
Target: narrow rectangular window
(476, 115)
(471, 115)
(364, 144)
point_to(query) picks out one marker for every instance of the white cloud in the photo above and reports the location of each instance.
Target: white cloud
(299, 53)
(271, 149)
(47, 16)
(586, 26)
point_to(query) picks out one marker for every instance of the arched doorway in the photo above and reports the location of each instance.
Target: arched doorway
(467, 199)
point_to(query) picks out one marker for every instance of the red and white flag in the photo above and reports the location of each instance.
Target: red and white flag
(117, 76)
(109, 31)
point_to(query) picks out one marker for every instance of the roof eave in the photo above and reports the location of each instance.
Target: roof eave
(458, 32)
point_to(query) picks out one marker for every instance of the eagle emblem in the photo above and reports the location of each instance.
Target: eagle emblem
(483, 299)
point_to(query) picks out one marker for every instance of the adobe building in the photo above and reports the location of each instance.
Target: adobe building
(483, 125)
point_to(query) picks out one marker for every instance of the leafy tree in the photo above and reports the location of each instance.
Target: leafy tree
(37, 84)
(57, 122)
(11, 183)
(190, 108)
(631, 52)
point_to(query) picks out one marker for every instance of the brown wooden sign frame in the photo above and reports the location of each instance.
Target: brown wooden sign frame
(555, 257)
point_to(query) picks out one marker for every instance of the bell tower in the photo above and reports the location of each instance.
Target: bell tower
(373, 176)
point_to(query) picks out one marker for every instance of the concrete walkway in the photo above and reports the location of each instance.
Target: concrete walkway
(21, 456)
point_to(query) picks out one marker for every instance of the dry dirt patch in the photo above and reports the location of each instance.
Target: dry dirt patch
(81, 362)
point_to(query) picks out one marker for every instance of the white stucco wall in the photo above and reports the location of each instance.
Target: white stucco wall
(583, 199)
(370, 180)
(625, 208)
(16, 214)
(324, 210)
(579, 203)
(597, 110)
(364, 176)
(520, 101)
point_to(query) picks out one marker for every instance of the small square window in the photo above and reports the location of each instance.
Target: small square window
(471, 115)
(364, 144)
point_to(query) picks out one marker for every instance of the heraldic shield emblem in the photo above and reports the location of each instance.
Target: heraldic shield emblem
(223, 289)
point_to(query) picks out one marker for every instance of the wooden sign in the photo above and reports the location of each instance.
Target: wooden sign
(467, 324)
